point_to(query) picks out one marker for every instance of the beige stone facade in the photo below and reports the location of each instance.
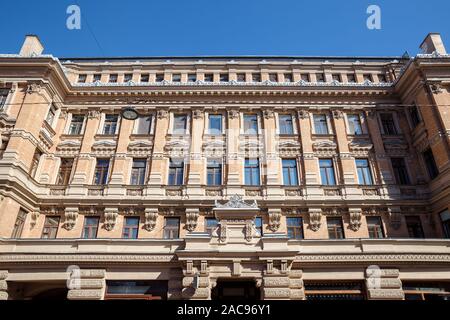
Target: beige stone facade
(301, 178)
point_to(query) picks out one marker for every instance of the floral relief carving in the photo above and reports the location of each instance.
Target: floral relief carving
(111, 215)
(355, 219)
(274, 220)
(303, 114)
(93, 114)
(162, 114)
(315, 216)
(70, 218)
(191, 219)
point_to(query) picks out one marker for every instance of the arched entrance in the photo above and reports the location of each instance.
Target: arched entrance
(236, 289)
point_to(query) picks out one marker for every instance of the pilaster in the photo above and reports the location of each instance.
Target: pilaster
(383, 284)
(90, 285)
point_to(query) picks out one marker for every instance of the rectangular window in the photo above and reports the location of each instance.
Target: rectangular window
(290, 176)
(136, 290)
(305, 77)
(18, 225)
(273, 77)
(138, 172)
(215, 124)
(286, 124)
(320, 77)
(82, 78)
(351, 78)
(240, 77)
(113, 78)
(3, 95)
(250, 124)
(130, 228)
(127, 77)
(375, 227)
(430, 163)
(35, 162)
(414, 226)
(388, 124)
(110, 126)
(97, 77)
(327, 172)
(414, 115)
(159, 77)
(51, 115)
(210, 225)
(176, 172)
(259, 225)
(209, 77)
(223, 77)
(320, 124)
(364, 172)
(445, 218)
(256, 77)
(176, 77)
(252, 172)
(179, 124)
(382, 78)
(171, 228)
(335, 228)
(76, 125)
(50, 230)
(145, 78)
(367, 77)
(90, 227)
(288, 77)
(144, 125)
(101, 172)
(336, 77)
(354, 124)
(214, 173)
(400, 171)
(192, 77)
(294, 228)
(65, 171)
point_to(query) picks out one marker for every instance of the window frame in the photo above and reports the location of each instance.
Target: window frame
(296, 171)
(210, 229)
(108, 123)
(19, 224)
(218, 132)
(407, 177)
(88, 229)
(176, 175)
(419, 226)
(141, 174)
(105, 177)
(47, 225)
(378, 229)
(252, 168)
(281, 124)
(245, 130)
(296, 228)
(137, 125)
(81, 128)
(171, 229)
(129, 229)
(327, 176)
(364, 172)
(315, 123)
(68, 172)
(217, 168)
(336, 227)
(430, 163)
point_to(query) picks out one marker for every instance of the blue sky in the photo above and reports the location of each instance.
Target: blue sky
(224, 27)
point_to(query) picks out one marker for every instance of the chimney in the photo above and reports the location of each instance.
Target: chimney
(433, 43)
(32, 46)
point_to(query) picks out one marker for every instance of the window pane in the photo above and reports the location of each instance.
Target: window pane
(375, 227)
(76, 125)
(387, 121)
(364, 173)
(320, 124)
(101, 171)
(179, 124)
(214, 172)
(65, 171)
(290, 177)
(215, 124)
(335, 228)
(252, 172)
(286, 126)
(110, 124)
(144, 124)
(327, 172)
(250, 124)
(354, 123)
(294, 227)
(414, 226)
(430, 164)
(138, 172)
(176, 173)
(400, 171)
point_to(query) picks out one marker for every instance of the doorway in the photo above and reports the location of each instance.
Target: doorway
(232, 289)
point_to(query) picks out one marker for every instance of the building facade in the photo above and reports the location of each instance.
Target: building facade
(225, 177)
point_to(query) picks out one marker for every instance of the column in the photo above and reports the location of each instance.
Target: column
(234, 179)
(84, 164)
(196, 284)
(158, 161)
(25, 136)
(383, 284)
(272, 158)
(196, 160)
(3, 285)
(120, 166)
(91, 285)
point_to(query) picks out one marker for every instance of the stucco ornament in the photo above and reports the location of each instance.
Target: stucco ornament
(71, 217)
(191, 219)
(314, 219)
(355, 219)
(274, 220)
(110, 219)
(236, 201)
(150, 219)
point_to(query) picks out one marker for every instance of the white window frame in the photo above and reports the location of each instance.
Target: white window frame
(172, 122)
(260, 173)
(277, 123)
(152, 123)
(297, 169)
(362, 121)
(328, 118)
(258, 120)
(69, 122)
(207, 114)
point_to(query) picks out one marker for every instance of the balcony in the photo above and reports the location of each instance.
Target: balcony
(96, 190)
(135, 191)
(57, 190)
